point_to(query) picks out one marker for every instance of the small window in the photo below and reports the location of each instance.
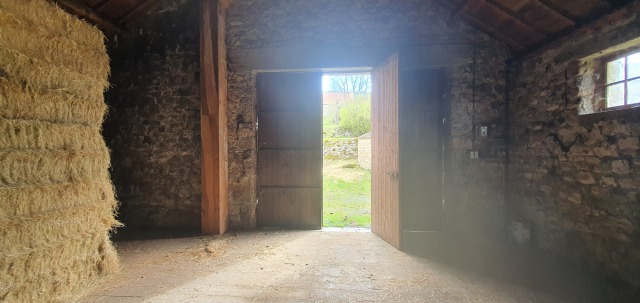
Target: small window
(622, 81)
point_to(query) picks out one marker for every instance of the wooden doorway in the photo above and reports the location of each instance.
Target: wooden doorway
(289, 150)
(406, 171)
(385, 152)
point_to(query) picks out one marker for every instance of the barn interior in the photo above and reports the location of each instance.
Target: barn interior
(505, 137)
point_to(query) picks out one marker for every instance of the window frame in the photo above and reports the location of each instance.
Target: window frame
(605, 61)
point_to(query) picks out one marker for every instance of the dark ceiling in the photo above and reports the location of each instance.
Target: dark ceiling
(527, 24)
(111, 16)
(524, 25)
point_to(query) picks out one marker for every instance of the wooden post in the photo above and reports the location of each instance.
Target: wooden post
(213, 120)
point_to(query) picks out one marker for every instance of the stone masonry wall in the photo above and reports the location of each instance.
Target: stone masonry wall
(474, 94)
(364, 153)
(340, 148)
(153, 125)
(575, 178)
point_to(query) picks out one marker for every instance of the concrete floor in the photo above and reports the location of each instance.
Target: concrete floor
(293, 266)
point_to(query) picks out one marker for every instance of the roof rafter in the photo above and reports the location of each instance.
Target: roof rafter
(136, 9)
(84, 11)
(516, 15)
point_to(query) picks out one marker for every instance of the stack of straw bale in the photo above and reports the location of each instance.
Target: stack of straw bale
(56, 199)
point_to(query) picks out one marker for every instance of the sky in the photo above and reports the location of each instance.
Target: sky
(326, 83)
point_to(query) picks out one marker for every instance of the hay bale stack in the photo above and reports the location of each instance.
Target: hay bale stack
(56, 199)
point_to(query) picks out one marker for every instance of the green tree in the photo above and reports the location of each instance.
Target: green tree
(355, 116)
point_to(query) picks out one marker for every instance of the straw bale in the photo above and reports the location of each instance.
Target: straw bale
(73, 265)
(40, 74)
(33, 200)
(57, 202)
(44, 14)
(33, 134)
(23, 235)
(54, 50)
(25, 167)
(18, 101)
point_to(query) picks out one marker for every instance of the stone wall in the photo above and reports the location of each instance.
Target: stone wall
(474, 94)
(574, 178)
(364, 152)
(153, 125)
(340, 148)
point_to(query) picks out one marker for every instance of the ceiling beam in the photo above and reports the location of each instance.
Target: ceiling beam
(83, 11)
(516, 45)
(558, 10)
(136, 9)
(101, 5)
(519, 17)
(457, 10)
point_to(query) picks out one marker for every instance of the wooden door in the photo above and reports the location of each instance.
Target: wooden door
(385, 164)
(290, 150)
(420, 158)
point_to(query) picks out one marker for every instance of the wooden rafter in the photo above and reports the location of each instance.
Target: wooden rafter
(558, 10)
(516, 45)
(457, 11)
(136, 9)
(555, 10)
(519, 17)
(82, 10)
(102, 4)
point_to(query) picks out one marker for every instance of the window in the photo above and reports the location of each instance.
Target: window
(622, 81)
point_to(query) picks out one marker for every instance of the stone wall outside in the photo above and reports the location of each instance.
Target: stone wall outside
(575, 178)
(340, 148)
(364, 153)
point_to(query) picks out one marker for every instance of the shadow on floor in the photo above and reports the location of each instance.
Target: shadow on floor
(138, 234)
(531, 269)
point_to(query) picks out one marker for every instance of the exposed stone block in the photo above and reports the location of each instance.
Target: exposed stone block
(620, 167)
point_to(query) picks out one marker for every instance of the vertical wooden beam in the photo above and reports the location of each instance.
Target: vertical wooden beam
(221, 60)
(213, 124)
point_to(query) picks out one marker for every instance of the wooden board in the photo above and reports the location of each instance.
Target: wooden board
(289, 150)
(292, 129)
(213, 122)
(385, 165)
(282, 207)
(290, 168)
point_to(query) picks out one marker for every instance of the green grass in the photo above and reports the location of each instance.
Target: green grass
(347, 203)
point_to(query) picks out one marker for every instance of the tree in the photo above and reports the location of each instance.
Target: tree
(355, 116)
(350, 83)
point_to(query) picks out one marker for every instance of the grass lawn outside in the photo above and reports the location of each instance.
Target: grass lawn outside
(346, 194)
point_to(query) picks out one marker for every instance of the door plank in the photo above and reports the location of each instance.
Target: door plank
(289, 150)
(385, 165)
(290, 168)
(290, 207)
(289, 130)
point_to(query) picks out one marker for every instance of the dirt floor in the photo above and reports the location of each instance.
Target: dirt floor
(293, 266)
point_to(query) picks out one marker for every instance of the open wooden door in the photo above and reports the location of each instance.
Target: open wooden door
(290, 150)
(385, 162)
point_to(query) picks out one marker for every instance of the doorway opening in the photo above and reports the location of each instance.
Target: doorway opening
(346, 150)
